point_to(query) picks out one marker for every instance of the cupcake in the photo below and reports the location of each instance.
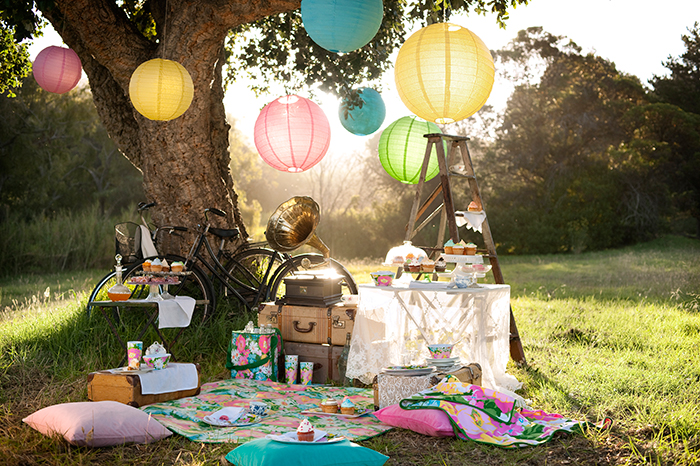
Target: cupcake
(427, 266)
(470, 249)
(177, 266)
(347, 406)
(146, 266)
(156, 265)
(458, 249)
(305, 431)
(441, 265)
(414, 265)
(448, 247)
(165, 267)
(474, 207)
(329, 405)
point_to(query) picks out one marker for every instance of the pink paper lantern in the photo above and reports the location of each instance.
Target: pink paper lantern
(292, 134)
(57, 69)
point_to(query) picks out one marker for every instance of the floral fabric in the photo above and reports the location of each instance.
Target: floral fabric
(254, 355)
(285, 404)
(487, 416)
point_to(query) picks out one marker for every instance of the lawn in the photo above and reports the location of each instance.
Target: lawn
(606, 334)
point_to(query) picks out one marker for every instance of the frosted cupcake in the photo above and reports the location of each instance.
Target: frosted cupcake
(305, 431)
(146, 266)
(156, 265)
(329, 405)
(458, 249)
(414, 265)
(448, 247)
(427, 266)
(347, 406)
(470, 249)
(441, 265)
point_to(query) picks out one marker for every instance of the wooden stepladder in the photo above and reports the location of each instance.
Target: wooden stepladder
(449, 166)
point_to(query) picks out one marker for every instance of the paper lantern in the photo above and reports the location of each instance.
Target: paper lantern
(161, 89)
(402, 149)
(292, 134)
(57, 69)
(342, 25)
(444, 73)
(367, 119)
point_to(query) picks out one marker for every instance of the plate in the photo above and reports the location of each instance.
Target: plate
(319, 438)
(432, 361)
(319, 412)
(246, 419)
(126, 369)
(408, 370)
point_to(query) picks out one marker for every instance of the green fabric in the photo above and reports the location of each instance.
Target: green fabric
(266, 452)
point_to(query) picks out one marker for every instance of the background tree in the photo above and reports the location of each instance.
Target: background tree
(185, 162)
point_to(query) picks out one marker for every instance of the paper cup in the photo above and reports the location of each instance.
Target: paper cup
(133, 354)
(291, 362)
(306, 370)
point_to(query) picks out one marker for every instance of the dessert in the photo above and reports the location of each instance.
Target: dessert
(427, 266)
(474, 207)
(146, 265)
(347, 406)
(414, 265)
(177, 266)
(329, 405)
(165, 267)
(305, 431)
(156, 265)
(470, 249)
(448, 247)
(458, 249)
(441, 265)
(398, 261)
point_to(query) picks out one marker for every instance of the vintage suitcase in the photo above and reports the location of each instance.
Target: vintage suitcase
(126, 388)
(324, 357)
(302, 324)
(310, 290)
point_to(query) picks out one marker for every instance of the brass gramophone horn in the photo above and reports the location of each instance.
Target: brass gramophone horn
(293, 224)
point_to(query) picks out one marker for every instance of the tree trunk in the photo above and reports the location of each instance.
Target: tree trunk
(185, 161)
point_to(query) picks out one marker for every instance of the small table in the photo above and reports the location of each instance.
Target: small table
(150, 310)
(394, 325)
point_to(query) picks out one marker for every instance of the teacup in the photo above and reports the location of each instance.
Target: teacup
(258, 408)
(440, 351)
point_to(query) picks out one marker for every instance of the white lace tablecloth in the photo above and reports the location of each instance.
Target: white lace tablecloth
(394, 325)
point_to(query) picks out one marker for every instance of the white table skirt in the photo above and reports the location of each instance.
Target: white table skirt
(393, 324)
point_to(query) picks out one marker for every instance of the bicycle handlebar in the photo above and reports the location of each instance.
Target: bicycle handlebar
(144, 206)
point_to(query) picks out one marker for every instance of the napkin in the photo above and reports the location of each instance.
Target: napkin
(147, 247)
(472, 220)
(233, 414)
(174, 378)
(175, 312)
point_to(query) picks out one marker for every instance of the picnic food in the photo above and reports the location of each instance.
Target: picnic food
(414, 265)
(448, 247)
(177, 266)
(329, 405)
(427, 266)
(470, 249)
(474, 207)
(440, 265)
(305, 431)
(146, 265)
(156, 265)
(347, 406)
(165, 267)
(458, 249)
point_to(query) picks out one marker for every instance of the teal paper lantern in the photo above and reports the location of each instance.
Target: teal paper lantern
(364, 120)
(402, 149)
(342, 26)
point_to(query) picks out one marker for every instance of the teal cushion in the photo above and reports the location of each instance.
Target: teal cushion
(267, 452)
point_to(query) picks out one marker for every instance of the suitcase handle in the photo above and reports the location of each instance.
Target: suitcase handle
(303, 330)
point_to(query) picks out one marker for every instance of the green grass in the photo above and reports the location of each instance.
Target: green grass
(606, 334)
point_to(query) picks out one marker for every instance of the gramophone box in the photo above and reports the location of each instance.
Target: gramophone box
(312, 290)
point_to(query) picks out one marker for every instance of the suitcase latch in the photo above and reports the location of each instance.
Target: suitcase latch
(337, 323)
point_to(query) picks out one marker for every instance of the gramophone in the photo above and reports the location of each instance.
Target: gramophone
(292, 225)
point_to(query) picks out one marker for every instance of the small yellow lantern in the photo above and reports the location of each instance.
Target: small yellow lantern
(161, 89)
(444, 73)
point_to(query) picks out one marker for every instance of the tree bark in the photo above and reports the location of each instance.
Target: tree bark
(185, 161)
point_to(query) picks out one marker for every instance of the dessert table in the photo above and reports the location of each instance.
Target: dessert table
(394, 325)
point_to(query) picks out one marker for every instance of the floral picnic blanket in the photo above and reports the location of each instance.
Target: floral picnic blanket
(487, 416)
(285, 404)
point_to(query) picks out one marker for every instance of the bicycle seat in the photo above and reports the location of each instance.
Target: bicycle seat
(225, 233)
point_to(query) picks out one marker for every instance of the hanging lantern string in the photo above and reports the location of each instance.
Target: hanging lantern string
(165, 29)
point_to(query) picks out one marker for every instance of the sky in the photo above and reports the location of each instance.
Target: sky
(637, 35)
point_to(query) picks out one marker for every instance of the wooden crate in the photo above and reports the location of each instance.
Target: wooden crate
(126, 388)
(303, 324)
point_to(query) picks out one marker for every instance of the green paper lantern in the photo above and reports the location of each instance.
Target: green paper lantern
(402, 149)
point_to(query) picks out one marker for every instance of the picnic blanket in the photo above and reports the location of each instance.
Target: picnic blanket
(487, 416)
(285, 404)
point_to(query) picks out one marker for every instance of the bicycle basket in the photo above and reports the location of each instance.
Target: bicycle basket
(128, 241)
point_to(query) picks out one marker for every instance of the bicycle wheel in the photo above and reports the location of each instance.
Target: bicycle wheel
(294, 266)
(252, 271)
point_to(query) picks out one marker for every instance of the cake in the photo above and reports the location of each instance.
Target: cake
(329, 405)
(305, 431)
(347, 406)
(427, 266)
(414, 265)
(448, 247)
(441, 265)
(470, 249)
(458, 249)
(165, 267)
(474, 207)
(177, 266)
(156, 265)
(146, 266)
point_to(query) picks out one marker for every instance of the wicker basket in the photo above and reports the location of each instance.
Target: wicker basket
(127, 237)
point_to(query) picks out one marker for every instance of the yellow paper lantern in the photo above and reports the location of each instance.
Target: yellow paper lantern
(161, 89)
(444, 73)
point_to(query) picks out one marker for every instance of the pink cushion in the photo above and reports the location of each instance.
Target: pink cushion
(433, 422)
(97, 424)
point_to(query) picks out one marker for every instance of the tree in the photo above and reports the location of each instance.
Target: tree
(185, 162)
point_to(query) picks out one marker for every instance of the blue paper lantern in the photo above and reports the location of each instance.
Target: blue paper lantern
(364, 120)
(342, 25)
(402, 149)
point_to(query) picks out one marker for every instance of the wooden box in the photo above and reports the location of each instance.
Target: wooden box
(324, 357)
(310, 290)
(126, 388)
(303, 324)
